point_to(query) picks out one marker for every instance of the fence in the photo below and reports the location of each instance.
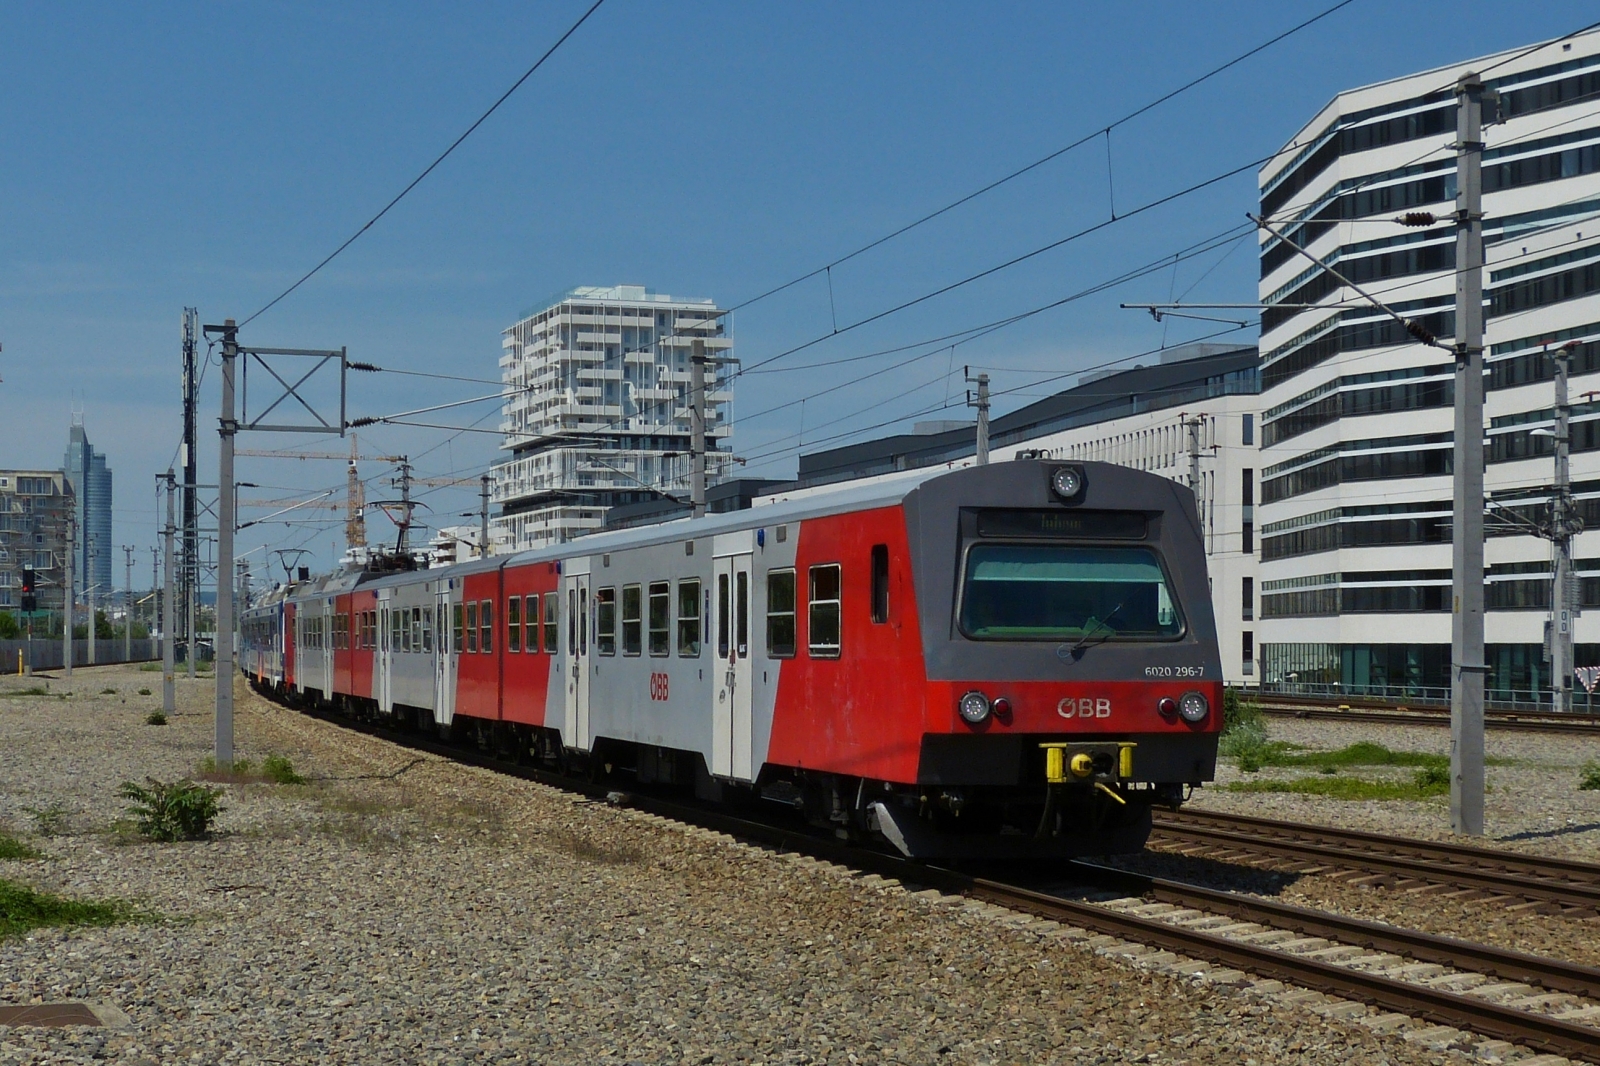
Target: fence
(46, 654)
(1493, 699)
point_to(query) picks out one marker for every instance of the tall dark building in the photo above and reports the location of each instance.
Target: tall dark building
(90, 479)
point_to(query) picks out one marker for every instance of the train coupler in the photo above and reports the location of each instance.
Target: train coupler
(1067, 762)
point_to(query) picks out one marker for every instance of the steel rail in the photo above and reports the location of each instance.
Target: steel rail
(1563, 882)
(1540, 1031)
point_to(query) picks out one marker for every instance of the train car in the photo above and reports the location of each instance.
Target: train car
(1010, 660)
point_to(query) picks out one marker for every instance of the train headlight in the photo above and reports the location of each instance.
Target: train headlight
(1193, 706)
(1167, 707)
(1066, 481)
(974, 708)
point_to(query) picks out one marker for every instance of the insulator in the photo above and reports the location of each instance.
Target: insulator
(1417, 218)
(1421, 334)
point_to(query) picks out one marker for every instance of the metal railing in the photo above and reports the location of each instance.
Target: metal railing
(1427, 696)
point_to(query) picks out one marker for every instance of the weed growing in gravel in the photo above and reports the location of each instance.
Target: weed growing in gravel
(279, 770)
(12, 848)
(155, 718)
(32, 690)
(150, 668)
(175, 810)
(1427, 782)
(144, 692)
(108, 692)
(22, 909)
(51, 821)
(238, 773)
(1589, 777)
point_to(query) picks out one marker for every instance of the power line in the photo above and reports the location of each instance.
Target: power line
(430, 167)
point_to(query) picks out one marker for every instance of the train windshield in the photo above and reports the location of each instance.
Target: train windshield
(1063, 592)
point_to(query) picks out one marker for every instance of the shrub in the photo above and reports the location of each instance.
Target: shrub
(155, 718)
(278, 769)
(176, 810)
(1589, 777)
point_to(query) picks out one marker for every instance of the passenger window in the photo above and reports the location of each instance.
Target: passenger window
(822, 628)
(552, 621)
(457, 646)
(660, 618)
(486, 626)
(530, 623)
(572, 621)
(395, 630)
(780, 614)
(416, 629)
(689, 619)
(632, 621)
(472, 627)
(605, 621)
(880, 583)
(722, 616)
(513, 624)
(403, 618)
(427, 629)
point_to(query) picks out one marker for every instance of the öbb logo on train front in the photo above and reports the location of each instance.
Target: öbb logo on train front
(1084, 707)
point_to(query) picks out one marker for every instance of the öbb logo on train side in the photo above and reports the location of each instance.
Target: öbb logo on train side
(1084, 707)
(658, 687)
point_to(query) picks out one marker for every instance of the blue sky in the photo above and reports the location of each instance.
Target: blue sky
(157, 156)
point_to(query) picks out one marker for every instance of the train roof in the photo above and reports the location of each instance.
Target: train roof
(853, 496)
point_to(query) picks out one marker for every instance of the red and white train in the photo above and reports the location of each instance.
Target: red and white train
(1005, 660)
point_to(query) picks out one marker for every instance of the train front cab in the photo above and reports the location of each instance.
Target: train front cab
(1072, 675)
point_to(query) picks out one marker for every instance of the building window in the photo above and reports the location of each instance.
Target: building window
(1249, 430)
(1247, 646)
(1249, 599)
(513, 624)
(605, 621)
(1247, 499)
(880, 583)
(660, 618)
(632, 625)
(689, 618)
(472, 627)
(822, 623)
(780, 613)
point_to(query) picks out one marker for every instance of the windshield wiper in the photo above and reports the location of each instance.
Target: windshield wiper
(1099, 624)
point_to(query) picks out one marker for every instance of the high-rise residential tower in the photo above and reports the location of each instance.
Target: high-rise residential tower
(90, 479)
(597, 409)
(1357, 424)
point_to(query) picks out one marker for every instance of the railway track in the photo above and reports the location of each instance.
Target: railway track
(1561, 886)
(1393, 714)
(1393, 969)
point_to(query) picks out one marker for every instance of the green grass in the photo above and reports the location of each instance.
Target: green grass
(1589, 777)
(1426, 783)
(155, 718)
(150, 668)
(22, 909)
(144, 692)
(279, 770)
(35, 690)
(12, 848)
(1254, 752)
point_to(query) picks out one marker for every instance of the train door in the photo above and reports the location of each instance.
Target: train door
(445, 652)
(576, 731)
(730, 717)
(383, 657)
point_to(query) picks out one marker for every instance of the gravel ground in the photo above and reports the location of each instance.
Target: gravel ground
(406, 909)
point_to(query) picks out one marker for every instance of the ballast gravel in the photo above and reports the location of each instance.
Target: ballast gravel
(403, 909)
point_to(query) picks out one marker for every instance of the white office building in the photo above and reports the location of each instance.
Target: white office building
(1193, 415)
(597, 409)
(1357, 421)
